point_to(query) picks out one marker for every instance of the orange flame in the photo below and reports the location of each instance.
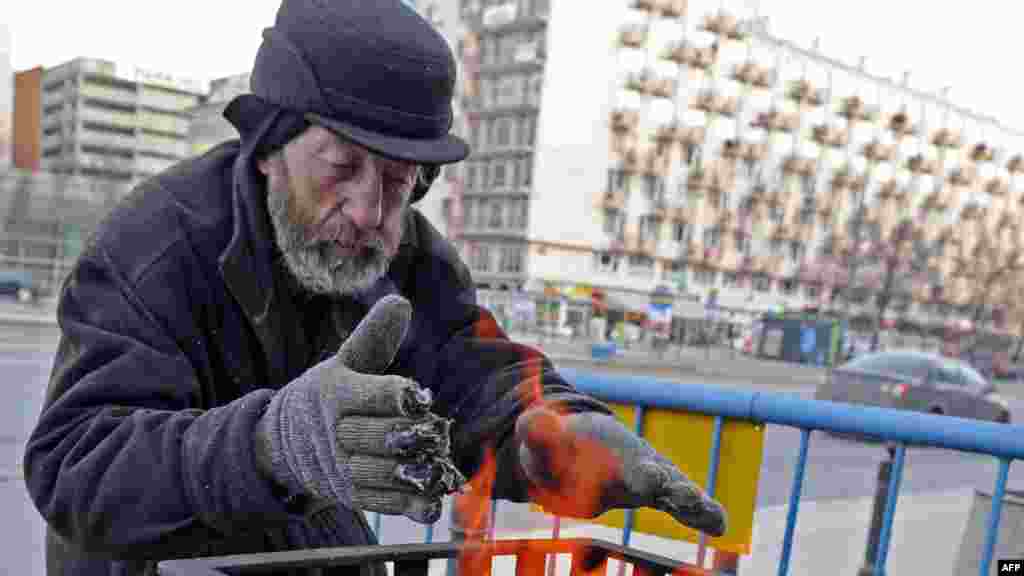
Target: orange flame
(472, 507)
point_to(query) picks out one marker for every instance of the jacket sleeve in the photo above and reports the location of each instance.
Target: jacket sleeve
(121, 463)
(486, 381)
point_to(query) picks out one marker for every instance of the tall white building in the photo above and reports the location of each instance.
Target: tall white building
(637, 146)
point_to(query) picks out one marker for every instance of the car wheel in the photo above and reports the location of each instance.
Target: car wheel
(24, 295)
(936, 410)
(1003, 417)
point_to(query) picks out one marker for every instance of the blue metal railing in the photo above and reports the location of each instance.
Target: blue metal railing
(902, 428)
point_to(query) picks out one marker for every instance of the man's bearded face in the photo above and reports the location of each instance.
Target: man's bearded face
(337, 210)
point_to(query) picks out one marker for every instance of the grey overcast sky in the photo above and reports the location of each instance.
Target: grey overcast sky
(962, 45)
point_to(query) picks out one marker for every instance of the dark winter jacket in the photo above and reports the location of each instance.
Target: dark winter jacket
(178, 325)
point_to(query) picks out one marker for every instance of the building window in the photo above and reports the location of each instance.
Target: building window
(535, 84)
(649, 226)
(712, 237)
(614, 222)
(705, 276)
(776, 246)
(641, 265)
(521, 210)
(777, 214)
(762, 283)
(811, 290)
(481, 258)
(499, 176)
(470, 175)
(527, 125)
(654, 186)
(796, 250)
(606, 263)
(497, 211)
(742, 243)
(502, 132)
(680, 232)
(788, 287)
(807, 184)
(511, 259)
(526, 172)
(729, 279)
(617, 180)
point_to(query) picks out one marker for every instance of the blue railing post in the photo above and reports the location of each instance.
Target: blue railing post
(716, 448)
(627, 528)
(794, 501)
(890, 509)
(992, 535)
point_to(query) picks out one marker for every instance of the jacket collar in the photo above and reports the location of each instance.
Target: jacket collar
(246, 264)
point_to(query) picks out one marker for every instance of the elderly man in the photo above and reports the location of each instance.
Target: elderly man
(262, 343)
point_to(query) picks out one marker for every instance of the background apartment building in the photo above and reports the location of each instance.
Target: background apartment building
(665, 145)
(92, 117)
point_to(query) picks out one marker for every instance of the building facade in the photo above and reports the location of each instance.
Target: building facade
(92, 117)
(208, 127)
(671, 145)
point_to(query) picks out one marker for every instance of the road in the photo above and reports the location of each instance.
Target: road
(837, 469)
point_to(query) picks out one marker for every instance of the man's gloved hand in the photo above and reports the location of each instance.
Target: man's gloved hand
(343, 435)
(582, 465)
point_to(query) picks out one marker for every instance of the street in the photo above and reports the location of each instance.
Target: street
(837, 469)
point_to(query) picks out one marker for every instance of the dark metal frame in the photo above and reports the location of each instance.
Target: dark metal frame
(588, 557)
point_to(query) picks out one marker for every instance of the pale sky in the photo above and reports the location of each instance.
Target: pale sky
(963, 45)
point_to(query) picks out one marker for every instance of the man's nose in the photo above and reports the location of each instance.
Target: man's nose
(364, 205)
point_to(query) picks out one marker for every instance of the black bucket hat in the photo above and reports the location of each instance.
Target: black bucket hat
(373, 71)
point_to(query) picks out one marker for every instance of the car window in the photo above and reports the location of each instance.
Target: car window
(972, 378)
(949, 373)
(905, 365)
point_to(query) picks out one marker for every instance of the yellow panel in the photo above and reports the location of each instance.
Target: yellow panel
(685, 438)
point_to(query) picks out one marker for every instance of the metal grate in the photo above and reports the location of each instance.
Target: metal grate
(588, 557)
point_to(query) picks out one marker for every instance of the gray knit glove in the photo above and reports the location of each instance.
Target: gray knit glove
(582, 465)
(343, 435)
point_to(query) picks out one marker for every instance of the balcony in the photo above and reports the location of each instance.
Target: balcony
(633, 35)
(673, 8)
(698, 180)
(775, 121)
(876, 151)
(794, 164)
(692, 135)
(649, 84)
(936, 200)
(1016, 164)
(972, 211)
(685, 54)
(108, 93)
(624, 121)
(1007, 221)
(753, 74)
(830, 136)
(845, 179)
(108, 117)
(732, 149)
(920, 165)
(714, 103)
(723, 24)
(679, 213)
(804, 93)
(754, 151)
(649, 6)
(902, 125)
(997, 187)
(946, 138)
(890, 190)
(982, 152)
(853, 108)
(613, 200)
(961, 176)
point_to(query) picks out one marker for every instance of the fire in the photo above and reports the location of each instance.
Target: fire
(582, 470)
(472, 507)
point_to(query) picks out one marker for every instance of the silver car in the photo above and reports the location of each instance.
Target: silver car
(915, 381)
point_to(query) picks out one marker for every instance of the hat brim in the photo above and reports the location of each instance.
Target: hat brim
(446, 150)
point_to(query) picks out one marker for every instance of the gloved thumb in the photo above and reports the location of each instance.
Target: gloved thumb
(374, 343)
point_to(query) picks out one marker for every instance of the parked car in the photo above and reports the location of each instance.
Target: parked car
(918, 381)
(18, 283)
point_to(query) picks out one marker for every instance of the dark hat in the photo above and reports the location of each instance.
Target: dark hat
(373, 71)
